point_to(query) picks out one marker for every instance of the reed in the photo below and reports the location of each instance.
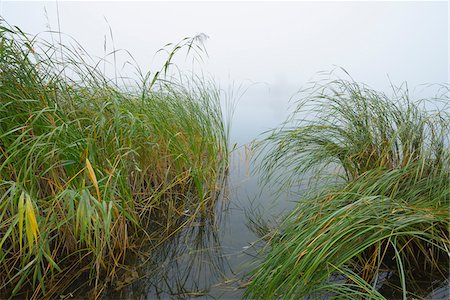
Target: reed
(91, 169)
(379, 205)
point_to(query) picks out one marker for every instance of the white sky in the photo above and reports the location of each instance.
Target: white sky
(279, 44)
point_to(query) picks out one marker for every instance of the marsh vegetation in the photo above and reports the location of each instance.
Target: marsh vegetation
(374, 212)
(92, 169)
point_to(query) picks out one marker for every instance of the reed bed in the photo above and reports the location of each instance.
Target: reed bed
(90, 169)
(377, 210)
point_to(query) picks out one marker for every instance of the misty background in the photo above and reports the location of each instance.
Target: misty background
(269, 49)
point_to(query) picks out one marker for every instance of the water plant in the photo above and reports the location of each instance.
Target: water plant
(91, 169)
(377, 212)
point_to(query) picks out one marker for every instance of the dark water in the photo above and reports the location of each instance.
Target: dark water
(210, 259)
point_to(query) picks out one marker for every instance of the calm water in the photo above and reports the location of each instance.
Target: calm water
(208, 260)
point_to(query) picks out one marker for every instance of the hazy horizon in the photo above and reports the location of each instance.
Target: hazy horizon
(279, 46)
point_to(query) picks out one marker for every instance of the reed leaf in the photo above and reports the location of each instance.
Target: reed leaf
(31, 225)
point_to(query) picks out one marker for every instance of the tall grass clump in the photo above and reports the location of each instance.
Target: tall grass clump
(377, 213)
(91, 169)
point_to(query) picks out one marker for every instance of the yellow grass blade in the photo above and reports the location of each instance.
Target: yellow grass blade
(92, 177)
(32, 228)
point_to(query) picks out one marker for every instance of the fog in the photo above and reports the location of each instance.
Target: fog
(271, 48)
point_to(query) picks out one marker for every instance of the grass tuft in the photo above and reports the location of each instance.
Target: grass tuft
(385, 211)
(91, 169)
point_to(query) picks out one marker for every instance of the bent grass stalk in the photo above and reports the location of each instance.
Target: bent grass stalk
(89, 171)
(386, 209)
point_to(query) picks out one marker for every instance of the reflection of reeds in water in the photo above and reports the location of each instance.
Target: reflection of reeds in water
(386, 209)
(91, 169)
(187, 265)
(241, 158)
